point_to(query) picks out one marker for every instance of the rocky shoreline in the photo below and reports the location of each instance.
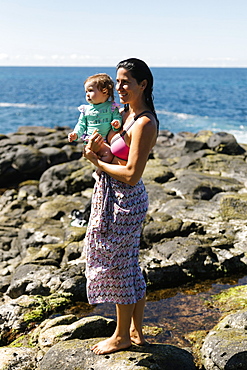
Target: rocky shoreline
(195, 229)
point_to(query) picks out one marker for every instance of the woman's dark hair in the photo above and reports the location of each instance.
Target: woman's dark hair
(140, 71)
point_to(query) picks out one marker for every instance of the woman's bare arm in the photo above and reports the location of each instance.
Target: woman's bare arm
(142, 139)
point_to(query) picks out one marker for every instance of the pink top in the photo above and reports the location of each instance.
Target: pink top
(118, 146)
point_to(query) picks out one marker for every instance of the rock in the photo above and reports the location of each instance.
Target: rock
(73, 151)
(30, 279)
(10, 318)
(2, 136)
(231, 300)
(38, 232)
(155, 171)
(29, 190)
(194, 145)
(177, 258)
(154, 231)
(35, 131)
(200, 186)
(35, 279)
(54, 155)
(74, 354)
(73, 281)
(189, 160)
(188, 258)
(85, 328)
(15, 139)
(195, 227)
(202, 212)
(5, 280)
(182, 202)
(17, 358)
(25, 312)
(51, 254)
(66, 178)
(225, 347)
(234, 206)
(223, 142)
(157, 195)
(29, 160)
(28, 153)
(73, 251)
(233, 166)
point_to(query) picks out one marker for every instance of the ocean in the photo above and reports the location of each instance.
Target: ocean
(186, 99)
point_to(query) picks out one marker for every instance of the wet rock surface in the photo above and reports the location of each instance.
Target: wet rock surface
(195, 229)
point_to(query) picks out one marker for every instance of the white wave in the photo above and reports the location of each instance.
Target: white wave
(19, 105)
(240, 136)
(182, 116)
(31, 106)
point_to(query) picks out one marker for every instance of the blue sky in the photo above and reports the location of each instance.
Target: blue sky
(211, 33)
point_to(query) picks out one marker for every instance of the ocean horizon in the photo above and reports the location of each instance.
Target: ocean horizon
(186, 98)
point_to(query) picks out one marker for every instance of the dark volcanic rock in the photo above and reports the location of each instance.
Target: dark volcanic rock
(196, 228)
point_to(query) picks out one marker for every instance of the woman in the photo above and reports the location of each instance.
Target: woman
(119, 206)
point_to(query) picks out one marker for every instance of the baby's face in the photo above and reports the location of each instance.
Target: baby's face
(94, 95)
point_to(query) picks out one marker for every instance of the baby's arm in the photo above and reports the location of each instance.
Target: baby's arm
(72, 136)
(116, 122)
(81, 125)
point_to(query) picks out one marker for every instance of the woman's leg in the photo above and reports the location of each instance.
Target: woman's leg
(136, 334)
(121, 337)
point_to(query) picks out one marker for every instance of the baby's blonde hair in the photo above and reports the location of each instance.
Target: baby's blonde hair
(102, 81)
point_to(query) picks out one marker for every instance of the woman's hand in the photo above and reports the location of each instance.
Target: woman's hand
(90, 155)
(95, 141)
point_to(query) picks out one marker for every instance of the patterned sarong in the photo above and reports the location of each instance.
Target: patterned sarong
(112, 242)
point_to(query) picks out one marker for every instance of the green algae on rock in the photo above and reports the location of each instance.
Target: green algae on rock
(40, 306)
(232, 299)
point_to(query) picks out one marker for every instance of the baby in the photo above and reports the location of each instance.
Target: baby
(101, 114)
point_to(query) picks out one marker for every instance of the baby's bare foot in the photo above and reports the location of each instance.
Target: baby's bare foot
(110, 345)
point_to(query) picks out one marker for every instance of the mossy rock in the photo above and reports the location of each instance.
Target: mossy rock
(232, 299)
(22, 341)
(75, 234)
(203, 135)
(156, 171)
(223, 164)
(58, 206)
(234, 206)
(49, 252)
(40, 307)
(152, 331)
(29, 183)
(196, 338)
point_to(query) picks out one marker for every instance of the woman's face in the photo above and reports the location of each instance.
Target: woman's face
(127, 87)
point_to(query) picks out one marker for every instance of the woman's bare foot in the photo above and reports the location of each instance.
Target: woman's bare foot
(110, 345)
(137, 338)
